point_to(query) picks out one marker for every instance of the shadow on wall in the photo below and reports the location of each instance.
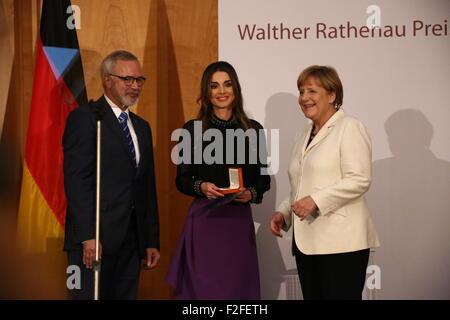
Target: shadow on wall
(277, 266)
(410, 202)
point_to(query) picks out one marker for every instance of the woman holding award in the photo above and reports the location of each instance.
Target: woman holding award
(216, 257)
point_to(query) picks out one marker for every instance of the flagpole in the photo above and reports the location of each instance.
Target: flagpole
(98, 111)
(97, 262)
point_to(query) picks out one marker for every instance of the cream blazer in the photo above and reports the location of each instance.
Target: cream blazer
(335, 170)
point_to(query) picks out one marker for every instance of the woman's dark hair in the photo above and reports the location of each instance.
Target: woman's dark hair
(204, 100)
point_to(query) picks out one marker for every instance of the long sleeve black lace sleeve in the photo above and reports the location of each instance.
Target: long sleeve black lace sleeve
(186, 181)
(261, 183)
(214, 168)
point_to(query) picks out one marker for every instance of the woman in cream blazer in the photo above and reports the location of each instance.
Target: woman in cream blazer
(329, 172)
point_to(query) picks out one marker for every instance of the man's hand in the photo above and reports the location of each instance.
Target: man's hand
(89, 252)
(152, 258)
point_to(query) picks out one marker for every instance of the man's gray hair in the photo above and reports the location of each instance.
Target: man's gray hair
(109, 62)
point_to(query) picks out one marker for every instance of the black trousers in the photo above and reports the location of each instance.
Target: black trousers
(338, 276)
(119, 274)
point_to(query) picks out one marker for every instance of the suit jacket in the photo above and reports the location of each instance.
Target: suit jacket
(335, 170)
(124, 188)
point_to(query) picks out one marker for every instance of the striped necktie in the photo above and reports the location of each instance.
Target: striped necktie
(126, 132)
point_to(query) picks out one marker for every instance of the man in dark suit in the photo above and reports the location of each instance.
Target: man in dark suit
(129, 223)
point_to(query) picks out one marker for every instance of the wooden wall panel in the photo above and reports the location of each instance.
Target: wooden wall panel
(18, 100)
(175, 40)
(6, 53)
(107, 26)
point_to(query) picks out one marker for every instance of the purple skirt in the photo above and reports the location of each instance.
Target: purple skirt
(216, 257)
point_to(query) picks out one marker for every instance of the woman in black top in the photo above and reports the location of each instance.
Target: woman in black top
(216, 257)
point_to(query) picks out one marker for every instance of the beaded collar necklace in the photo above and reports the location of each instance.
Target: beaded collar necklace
(223, 123)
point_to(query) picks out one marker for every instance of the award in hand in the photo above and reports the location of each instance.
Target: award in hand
(236, 181)
(231, 192)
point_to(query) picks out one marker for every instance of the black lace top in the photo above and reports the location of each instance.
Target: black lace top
(207, 164)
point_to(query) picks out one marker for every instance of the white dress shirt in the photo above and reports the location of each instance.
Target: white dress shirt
(117, 111)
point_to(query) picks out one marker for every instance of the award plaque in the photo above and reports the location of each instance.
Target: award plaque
(236, 181)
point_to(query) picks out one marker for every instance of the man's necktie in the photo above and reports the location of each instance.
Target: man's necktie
(126, 132)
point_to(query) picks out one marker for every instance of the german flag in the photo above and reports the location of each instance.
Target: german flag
(58, 88)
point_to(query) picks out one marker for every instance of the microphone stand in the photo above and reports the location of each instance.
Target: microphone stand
(98, 111)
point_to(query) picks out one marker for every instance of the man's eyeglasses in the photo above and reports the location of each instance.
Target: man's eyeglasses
(129, 80)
